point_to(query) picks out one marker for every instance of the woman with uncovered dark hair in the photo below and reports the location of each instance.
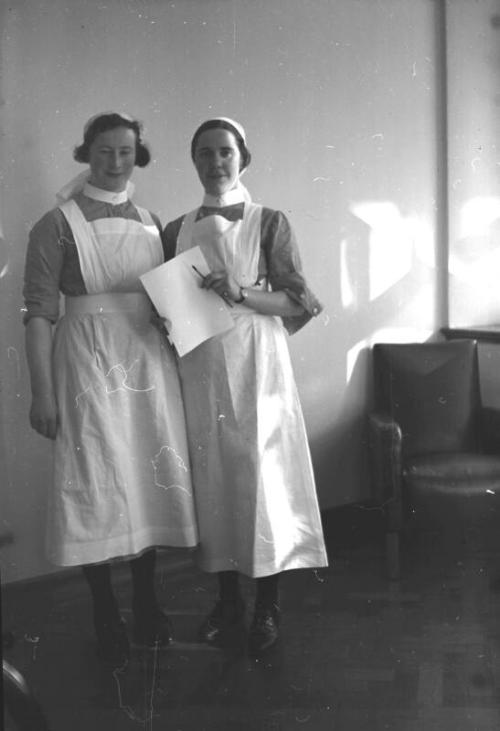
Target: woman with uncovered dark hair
(105, 386)
(104, 123)
(254, 487)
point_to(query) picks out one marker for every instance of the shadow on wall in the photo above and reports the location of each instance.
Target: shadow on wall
(339, 455)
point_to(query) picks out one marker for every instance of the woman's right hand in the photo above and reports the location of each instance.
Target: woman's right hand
(43, 416)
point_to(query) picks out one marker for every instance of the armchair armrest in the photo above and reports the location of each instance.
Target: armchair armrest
(385, 445)
(490, 429)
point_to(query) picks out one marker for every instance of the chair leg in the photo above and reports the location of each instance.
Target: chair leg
(392, 554)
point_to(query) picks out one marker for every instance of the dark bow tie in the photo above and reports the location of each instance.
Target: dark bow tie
(232, 213)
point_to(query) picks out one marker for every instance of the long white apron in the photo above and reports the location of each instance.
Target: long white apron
(122, 480)
(254, 487)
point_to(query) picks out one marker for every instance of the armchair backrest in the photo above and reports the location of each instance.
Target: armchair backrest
(432, 391)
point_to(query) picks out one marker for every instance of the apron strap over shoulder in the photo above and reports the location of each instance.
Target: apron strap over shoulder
(86, 244)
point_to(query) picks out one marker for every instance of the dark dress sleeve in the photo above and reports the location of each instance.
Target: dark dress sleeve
(169, 237)
(284, 269)
(44, 261)
(52, 266)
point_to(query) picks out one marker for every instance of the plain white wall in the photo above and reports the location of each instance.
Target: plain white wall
(340, 100)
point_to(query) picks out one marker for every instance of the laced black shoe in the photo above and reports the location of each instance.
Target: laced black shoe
(264, 630)
(224, 622)
(153, 629)
(112, 641)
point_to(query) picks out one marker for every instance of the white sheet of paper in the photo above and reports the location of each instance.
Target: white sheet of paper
(194, 314)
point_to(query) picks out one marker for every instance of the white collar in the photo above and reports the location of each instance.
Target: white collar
(105, 196)
(236, 195)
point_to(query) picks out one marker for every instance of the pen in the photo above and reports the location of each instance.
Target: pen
(224, 297)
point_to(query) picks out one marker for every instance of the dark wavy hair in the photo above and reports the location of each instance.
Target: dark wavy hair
(222, 124)
(106, 122)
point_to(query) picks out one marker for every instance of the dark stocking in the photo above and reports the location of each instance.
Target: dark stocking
(98, 577)
(267, 591)
(144, 601)
(229, 586)
(112, 640)
(151, 626)
(230, 599)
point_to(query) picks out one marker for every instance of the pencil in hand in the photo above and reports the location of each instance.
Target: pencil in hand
(224, 296)
(198, 271)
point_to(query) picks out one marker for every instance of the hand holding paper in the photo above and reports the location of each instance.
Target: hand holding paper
(194, 313)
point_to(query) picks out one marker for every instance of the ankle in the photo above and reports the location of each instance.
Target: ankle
(271, 604)
(106, 614)
(230, 608)
(267, 609)
(267, 591)
(231, 604)
(146, 610)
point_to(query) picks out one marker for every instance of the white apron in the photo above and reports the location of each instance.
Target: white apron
(121, 479)
(254, 487)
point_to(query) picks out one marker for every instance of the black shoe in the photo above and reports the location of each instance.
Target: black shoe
(153, 629)
(112, 642)
(264, 629)
(223, 623)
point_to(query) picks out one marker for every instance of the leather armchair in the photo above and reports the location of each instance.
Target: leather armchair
(434, 448)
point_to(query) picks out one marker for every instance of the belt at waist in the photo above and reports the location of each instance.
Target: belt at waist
(98, 304)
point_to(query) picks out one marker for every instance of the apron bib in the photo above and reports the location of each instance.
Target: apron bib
(114, 252)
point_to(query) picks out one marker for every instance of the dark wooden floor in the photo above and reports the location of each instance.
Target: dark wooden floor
(358, 652)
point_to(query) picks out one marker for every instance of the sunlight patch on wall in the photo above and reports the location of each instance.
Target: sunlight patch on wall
(400, 335)
(352, 357)
(478, 214)
(395, 241)
(475, 256)
(474, 263)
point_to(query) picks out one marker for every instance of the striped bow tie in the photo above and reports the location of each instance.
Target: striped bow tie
(232, 213)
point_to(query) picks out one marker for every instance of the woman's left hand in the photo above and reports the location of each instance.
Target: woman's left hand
(161, 323)
(223, 283)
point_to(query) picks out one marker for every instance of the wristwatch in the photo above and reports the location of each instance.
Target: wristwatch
(243, 296)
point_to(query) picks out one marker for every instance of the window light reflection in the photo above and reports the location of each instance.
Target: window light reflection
(475, 256)
(394, 241)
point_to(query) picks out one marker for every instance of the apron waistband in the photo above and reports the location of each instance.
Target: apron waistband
(98, 304)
